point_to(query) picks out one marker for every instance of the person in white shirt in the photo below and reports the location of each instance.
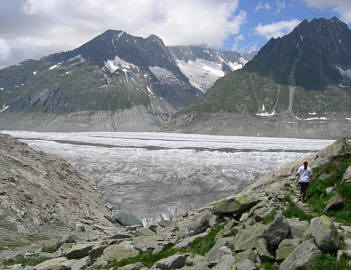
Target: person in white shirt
(305, 174)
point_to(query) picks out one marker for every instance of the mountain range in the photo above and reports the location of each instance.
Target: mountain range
(116, 81)
(296, 86)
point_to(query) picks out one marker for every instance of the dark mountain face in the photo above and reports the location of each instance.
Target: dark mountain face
(316, 54)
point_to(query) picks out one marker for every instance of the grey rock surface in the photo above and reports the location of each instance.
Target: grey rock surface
(325, 234)
(277, 231)
(174, 262)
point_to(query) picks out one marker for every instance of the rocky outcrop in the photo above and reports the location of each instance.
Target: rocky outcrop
(325, 234)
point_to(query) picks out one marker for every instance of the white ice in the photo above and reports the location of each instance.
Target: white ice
(118, 63)
(164, 75)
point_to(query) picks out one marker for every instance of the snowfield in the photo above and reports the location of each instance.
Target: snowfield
(159, 175)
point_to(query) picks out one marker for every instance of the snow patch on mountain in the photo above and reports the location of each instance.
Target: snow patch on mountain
(118, 63)
(165, 76)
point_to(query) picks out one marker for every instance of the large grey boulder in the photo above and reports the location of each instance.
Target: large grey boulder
(183, 244)
(201, 224)
(247, 238)
(96, 252)
(226, 263)
(57, 263)
(173, 262)
(119, 251)
(301, 256)
(325, 234)
(219, 250)
(298, 228)
(277, 231)
(347, 176)
(79, 251)
(245, 264)
(285, 248)
(335, 203)
(235, 206)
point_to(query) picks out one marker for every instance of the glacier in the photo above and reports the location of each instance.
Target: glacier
(159, 175)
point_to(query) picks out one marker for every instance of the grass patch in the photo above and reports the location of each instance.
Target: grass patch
(269, 218)
(294, 211)
(269, 266)
(202, 245)
(49, 249)
(316, 193)
(327, 261)
(31, 261)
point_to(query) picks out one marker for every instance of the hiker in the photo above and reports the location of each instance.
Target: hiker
(305, 173)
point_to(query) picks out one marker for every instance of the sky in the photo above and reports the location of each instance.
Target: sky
(31, 29)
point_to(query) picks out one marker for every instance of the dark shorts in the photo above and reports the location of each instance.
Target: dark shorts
(303, 187)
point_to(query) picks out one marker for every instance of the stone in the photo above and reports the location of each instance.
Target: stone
(118, 236)
(153, 228)
(335, 203)
(323, 176)
(285, 248)
(53, 264)
(131, 266)
(347, 176)
(298, 228)
(329, 190)
(80, 264)
(96, 252)
(307, 234)
(245, 264)
(262, 250)
(126, 219)
(301, 256)
(247, 238)
(226, 263)
(145, 242)
(79, 251)
(214, 220)
(201, 224)
(247, 254)
(185, 242)
(120, 251)
(346, 228)
(277, 231)
(234, 206)
(173, 262)
(325, 234)
(261, 213)
(219, 249)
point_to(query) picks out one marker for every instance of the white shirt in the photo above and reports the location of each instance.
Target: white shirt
(304, 174)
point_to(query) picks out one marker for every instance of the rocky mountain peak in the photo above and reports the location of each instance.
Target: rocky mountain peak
(314, 55)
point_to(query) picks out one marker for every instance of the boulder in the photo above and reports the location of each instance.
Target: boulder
(226, 263)
(96, 252)
(301, 256)
(247, 254)
(347, 176)
(79, 251)
(335, 203)
(262, 251)
(196, 262)
(173, 262)
(132, 266)
(247, 238)
(298, 228)
(234, 206)
(325, 234)
(245, 264)
(201, 224)
(126, 219)
(120, 251)
(80, 264)
(285, 248)
(261, 213)
(219, 249)
(53, 264)
(145, 242)
(277, 231)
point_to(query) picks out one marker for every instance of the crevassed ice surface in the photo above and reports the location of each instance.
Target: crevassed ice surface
(159, 175)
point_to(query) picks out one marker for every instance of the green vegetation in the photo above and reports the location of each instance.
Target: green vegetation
(269, 266)
(294, 211)
(317, 196)
(31, 260)
(202, 245)
(327, 261)
(49, 249)
(269, 218)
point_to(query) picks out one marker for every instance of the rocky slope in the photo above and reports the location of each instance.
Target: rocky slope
(265, 227)
(115, 78)
(296, 86)
(43, 198)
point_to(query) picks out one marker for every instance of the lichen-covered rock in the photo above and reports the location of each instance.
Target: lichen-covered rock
(298, 228)
(120, 251)
(201, 223)
(285, 248)
(262, 250)
(335, 203)
(277, 231)
(245, 264)
(247, 254)
(347, 176)
(173, 262)
(325, 234)
(235, 206)
(57, 263)
(186, 241)
(301, 256)
(132, 266)
(226, 263)
(79, 251)
(307, 234)
(246, 239)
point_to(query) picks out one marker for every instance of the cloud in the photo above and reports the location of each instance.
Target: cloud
(280, 6)
(4, 50)
(262, 5)
(54, 25)
(278, 29)
(342, 7)
(239, 38)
